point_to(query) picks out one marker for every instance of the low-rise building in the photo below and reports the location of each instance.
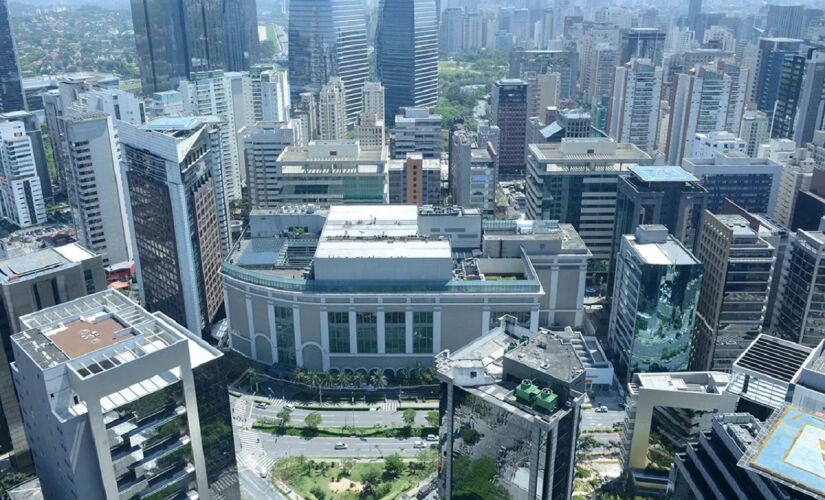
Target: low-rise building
(389, 286)
(415, 180)
(416, 130)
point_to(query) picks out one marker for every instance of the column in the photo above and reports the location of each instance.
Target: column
(380, 325)
(104, 456)
(250, 318)
(296, 330)
(552, 294)
(408, 324)
(353, 334)
(272, 331)
(534, 320)
(325, 331)
(485, 322)
(229, 329)
(436, 331)
(580, 296)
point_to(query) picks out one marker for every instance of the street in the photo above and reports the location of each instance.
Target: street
(332, 418)
(281, 446)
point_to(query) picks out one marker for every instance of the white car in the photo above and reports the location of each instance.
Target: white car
(418, 444)
(601, 409)
(341, 446)
(432, 437)
(289, 407)
(262, 473)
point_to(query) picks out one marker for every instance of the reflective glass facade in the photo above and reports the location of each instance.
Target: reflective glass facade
(328, 38)
(11, 87)
(406, 51)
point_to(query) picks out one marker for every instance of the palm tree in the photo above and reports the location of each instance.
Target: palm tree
(344, 379)
(402, 376)
(378, 379)
(313, 378)
(299, 375)
(359, 378)
(327, 379)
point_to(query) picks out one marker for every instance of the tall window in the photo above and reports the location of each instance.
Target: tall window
(338, 331)
(395, 332)
(285, 335)
(366, 332)
(422, 332)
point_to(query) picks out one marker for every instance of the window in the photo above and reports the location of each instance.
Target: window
(395, 332)
(285, 335)
(90, 282)
(422, 332)
(366, 332)
(338, 332)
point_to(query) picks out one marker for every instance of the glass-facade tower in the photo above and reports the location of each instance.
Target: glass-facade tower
(11, 87)
(406, 51)
(328, 38)
(654, 303)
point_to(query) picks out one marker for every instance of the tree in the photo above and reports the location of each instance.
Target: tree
(433, 418)
(359, 378)
(254, 379)
(346, 466)
(299, 375)
(427, 460)
(284, 416)
(313, 420)
(393, 465)
(403, 376)
(378, 379)
(408, 416)
(267, 50)
(370, 479)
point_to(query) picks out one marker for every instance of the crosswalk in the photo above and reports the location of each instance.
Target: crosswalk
(390, 405)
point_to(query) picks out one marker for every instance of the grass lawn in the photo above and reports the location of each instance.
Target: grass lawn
(446, 68)
(386, 432)
(306, 484)
(272, 34)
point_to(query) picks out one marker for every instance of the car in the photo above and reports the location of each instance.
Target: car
(262, 473)
(432, 437)
(261, 405)
(418, 444)
(601, 409)
(289, 407)
(341, 446)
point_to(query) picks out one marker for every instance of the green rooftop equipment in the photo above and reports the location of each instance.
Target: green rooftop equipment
(526, 392)
(546, 401)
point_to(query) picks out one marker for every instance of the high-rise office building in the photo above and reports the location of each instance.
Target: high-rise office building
(175, 38)
(263, 143)
(417, 130)
(600, 68)
(173, 166)
(751, 183)
(328, 38)
(787, 96)
(11, 85)
(693, 13)
(96, 186)
(274, 105)
(575, 181)
(509, 114)
(118, 104)
(451, 30)
(755, 130)
(770, 55)
(810, 114)
(406, 54)
(29, 283)
(784, 20)
(543, 91)
(21, 199)
(415, 181)
(563, 62)
(634, 112)
(799, 316)
(738, 271)
(121, 403)
(332, 111)
(210, 94)
(641, 43)
(306, 110)
(665, 195)
(654, 302)
(510, 414)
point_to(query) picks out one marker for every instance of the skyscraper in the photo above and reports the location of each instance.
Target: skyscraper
(173, 168)
(755, 130)
(21, 200)
(768, 73)
(11, 86)
(509, 114)
(642, 43)
(328, 38)
(784, 20)
(634, 112)
(96, 185)
(654, 302)
(810, 115)
(406, 54)
(787, 96)
(175, 38)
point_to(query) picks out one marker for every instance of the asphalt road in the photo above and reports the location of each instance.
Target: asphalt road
(281, 446)
(253, 486)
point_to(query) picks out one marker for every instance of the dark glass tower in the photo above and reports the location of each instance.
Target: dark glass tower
(328, 38)
(175, 38)
(11, 87)
(406, 50)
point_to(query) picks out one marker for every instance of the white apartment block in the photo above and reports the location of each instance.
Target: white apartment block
(706, 145)
(263, 143)
(118, 104)
(210, 94)
(21, 198)
(96, 185)
(373, 99)
(634, 112)
(274, 103)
